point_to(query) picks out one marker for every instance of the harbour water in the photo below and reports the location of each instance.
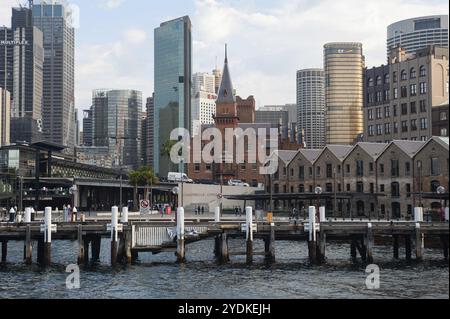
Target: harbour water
(291, 277)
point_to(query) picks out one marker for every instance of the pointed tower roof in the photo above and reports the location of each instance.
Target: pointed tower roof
(226, 91)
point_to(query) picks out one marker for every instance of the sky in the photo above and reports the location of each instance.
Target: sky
(268, 40)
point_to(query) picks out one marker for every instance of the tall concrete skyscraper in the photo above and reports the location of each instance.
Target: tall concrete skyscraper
(311, 107)
(116, 124)
(6, 58)
(418, 33)
(344, 85)
(150, 107)
(173, 77)
(58, 82)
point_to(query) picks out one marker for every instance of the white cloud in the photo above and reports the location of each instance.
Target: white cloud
(268, 45)
(111, 4)
(135, 36)
(5, 11)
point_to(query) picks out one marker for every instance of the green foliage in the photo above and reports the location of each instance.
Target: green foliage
(144, 176)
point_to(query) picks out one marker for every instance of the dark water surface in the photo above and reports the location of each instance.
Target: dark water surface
(158, 276)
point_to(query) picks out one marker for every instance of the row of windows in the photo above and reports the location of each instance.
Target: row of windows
(386, 111)
(406, 126)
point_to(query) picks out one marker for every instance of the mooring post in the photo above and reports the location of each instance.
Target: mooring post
(396, 246)
(40, 251)
(81, 255)
(444, 242)
(322, 246)
(27, 215)
(47, 253)
(95, 248)
(180, 235)
(129, 244)
(353, 249)
(312, 240)
(249, 234)
(408, 246)
(28, 247)
(370, 243)
(224, 255)
(322, 214)
(4, 250)
(124, 218)
(217, 215)
(270, 245)
(420, 243)
(447, 211)
(114, 234)
(418, 214)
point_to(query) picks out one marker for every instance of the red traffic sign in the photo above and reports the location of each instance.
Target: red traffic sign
(145, 204)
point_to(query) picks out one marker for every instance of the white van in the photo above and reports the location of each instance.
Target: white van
(178, 177)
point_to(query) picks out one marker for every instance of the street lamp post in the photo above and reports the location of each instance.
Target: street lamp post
(441, 191)
(318, 192)
(419, 166)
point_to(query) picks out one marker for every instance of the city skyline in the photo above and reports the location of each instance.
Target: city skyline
(119, 52)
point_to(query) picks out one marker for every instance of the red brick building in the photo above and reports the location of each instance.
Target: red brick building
(233, 113)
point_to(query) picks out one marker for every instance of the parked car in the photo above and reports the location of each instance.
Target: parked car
(235, 182)
(206, 182)
(173, 177)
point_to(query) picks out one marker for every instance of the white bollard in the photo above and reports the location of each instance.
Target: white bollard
(446, 214)
(418, 214)
(249, 219)
(322, 212)
(180, 223)
(27, 217)
(114, 223)
(217, 215)
(48, 225)
(124, 218)
(312, 223)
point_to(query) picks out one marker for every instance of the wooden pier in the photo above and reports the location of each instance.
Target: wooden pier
(129, 238)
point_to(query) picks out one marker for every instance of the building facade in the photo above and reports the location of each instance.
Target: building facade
(116, 122)
(87, 128)
(374, 180)
(173, 76)
(58, 72)
(276, 115)
(203, 82)
(6, 58)
(5, 117)
(311, 106)
(203, 110)
(400, 96)
(344, 85)
(439, 121)
(150, 107)
(246, 109)
(418, 33)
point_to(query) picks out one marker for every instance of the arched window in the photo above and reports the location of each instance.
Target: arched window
(412, 73)
(423, 71)
(387, 79)
(301, 188)
(379, 80)
(403, 75)
(370, 82)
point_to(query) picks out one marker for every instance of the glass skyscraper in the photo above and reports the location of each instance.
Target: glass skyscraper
(173, 74)
(116, 124)
(53, 19)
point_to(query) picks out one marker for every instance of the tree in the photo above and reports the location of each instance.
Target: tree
(144, 176)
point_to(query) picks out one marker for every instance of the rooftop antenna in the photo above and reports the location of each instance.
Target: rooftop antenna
(226, 52)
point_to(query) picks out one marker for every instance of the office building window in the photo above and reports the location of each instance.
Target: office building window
(387, 112)
(408, 190)
(423, 88)
(404, 107)
(359, 168)
(395, 111)
(379, 129)
(370, 114)
(395, 190)
(371, 167)
(395, 93)
(444, 131)
(329, 171)
(370, 82)
(413, 125)
(301, 173)
(197, 167)
(381, 168)
(423, 123)
(443, 116)
(403, 75)
(394, 77)
(379, 113)
(404, 126)
(371, 131)
(382, 188)
(412, 73)
(387, 79)
(413, 108)
(404, 91)
(387, 95)
(423, 106)
(360, 187)
(423, 71)
(413, 89)
(387, 128)
(407, 168)
(379, 80)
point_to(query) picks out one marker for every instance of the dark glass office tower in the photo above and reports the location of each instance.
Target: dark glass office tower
(6, 58)
(58, 82)
(173, 74)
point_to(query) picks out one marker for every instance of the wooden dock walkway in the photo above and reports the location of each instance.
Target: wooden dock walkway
(129, 238)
